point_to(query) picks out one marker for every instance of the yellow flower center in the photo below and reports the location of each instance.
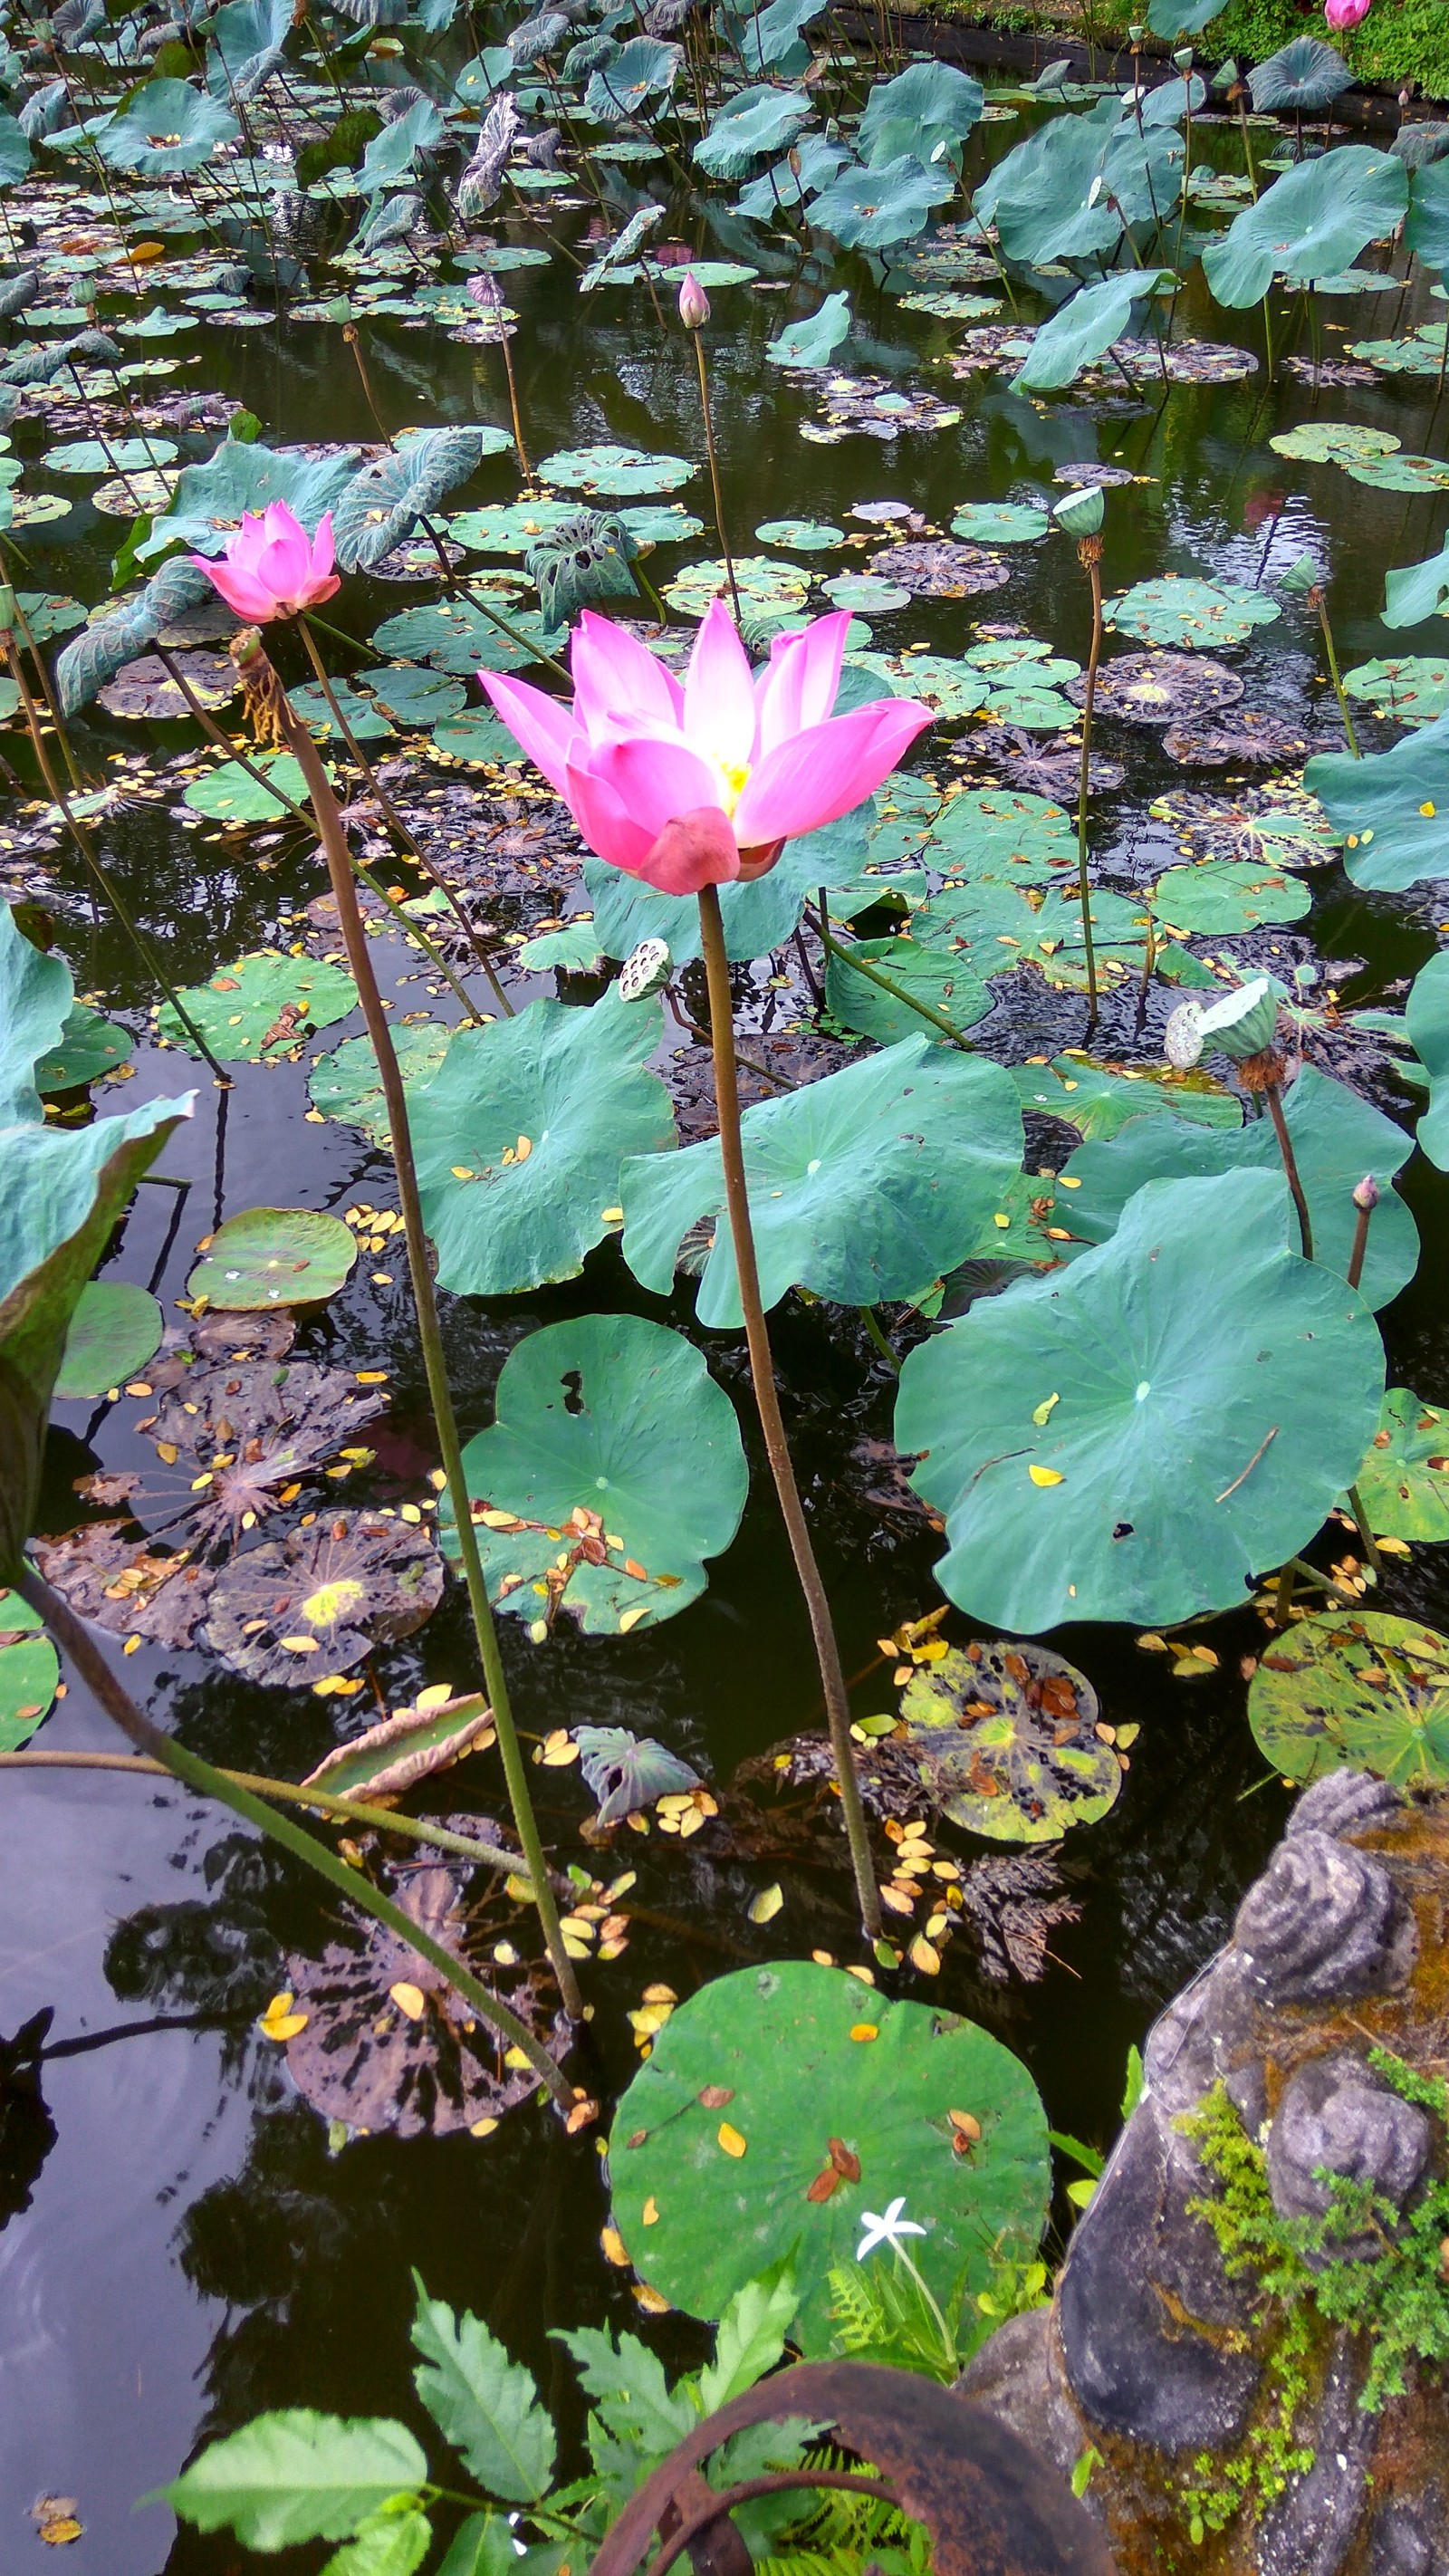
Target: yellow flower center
(735, 774)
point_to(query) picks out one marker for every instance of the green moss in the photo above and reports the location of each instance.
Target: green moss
(1400, 40)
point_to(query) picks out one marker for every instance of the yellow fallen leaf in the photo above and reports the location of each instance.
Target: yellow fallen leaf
(1044, 1476)
(409, 1999)
(483, 2128)
(1042, 1412)
(730, 2139)
(652, 2305)
(64, 2529)
(613, 2245)
(650, 2212)
(279, 2021)
(924, 1958)
(767, 1904)
(865, 2030)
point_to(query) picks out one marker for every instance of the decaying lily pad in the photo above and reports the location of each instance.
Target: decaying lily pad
(146, 688)
(115, 1580)
(251, 1430)
(411, 1745)
(1356, 1689)
(873, 406)
(1247, 738)
(1039, 771)
(1159, 688)
(946, 569)
(315, 1602)
(1403, 1483)
(627, 1772)
(1005, 1740)
(386, 2045)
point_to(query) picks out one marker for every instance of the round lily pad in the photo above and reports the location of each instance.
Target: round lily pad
(36, 509)
(146, 689)
(230, 794)
(1032, 710)
(260, 1008)
(124, 497)
(807, 536)
(615, 470)
(1399, 473)
(1356, 1690)
(865, 591)
(1220, 897)
(115, 1330)
(1190, 615)
(999, 523)
(456, 635)
(723, 2139)
(945, 981)
(414, 697)
(114, 456)
(88, 1046)
(1005, 1740)
(1333, 442)
(511, 527)
(612, 1469)
(346, 1084)
(29, 1671)
(944, 306)
(661, 523)
(1160, 688)
(325, 718)
(271, 1256)
(299, 1608)
(761, 581)
(1403, 1483)
(952, 690)
(1414, 687)
(477, 736)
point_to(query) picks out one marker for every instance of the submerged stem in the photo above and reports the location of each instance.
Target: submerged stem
(762, 1372)
(1089, 553)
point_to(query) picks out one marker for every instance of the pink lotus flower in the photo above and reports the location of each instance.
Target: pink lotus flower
(271, 567)
(693, 302)
(1342, 15)
(696, 783)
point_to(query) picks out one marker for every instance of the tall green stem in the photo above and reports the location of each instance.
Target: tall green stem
(762, 1373)
(1089, 554)
(1321, 604)
(258, 673)
(719, 516)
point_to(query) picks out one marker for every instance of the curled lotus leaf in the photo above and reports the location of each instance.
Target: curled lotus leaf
(413, 1744)
(86, 1046)
(1427, 1026)
(1403, 1484)
(627, 1772)
(1357, 1690)
(1005, 1740)
(296, 1609)
(1160, 688)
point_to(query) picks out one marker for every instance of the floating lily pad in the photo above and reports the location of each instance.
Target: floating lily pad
(414, 697)
(29, 1671)
(722, 2135)
(982, 832)
(270, 1256)
(1107, 1441)
(1005, 1740)
(1356, 1690)
(761, 581)
(866, 591)
(936, 976)
(298, 1608)
(1160, 688)
(1413, 688)
(324, 718)
(612, 1469)
(661, 523)
(1190, 615)
(232, 794)
(115, 1330)
(807, 536)
(1399, 473)
(261, 1007)
(1333, 442)
(1221, 897)
(88, 1046)
(479, 737)
(127, 497)
(509, 527)
(346, 1084)
(115, 456)
(1032, 710)
(999, 523)
(145, 689)
(455, 635)
(616, 471)
(999, 926)
(952, 690)
(1403, 1483)
(945, 306)
(1099, 1099)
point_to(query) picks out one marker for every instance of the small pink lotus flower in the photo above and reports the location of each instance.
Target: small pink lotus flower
(693, 301)
(271, 567)
(1343, 15)
(694, 783)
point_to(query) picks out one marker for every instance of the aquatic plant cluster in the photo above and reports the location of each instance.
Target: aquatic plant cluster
(1124, 1290)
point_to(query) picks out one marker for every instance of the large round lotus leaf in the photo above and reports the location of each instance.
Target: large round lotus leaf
(414, 697)
(807, 536)
(1333, 442)
(612, 1448)
(1160, 688)
(1136, 1437)
(939, 977)
(259, 1008)
(1403, 1484)
(520, 1136)
(362, 716)
(88, 1046)
(865, 590)
(166, 126)
(998, 926)
(1426, 1018)
(269, 1256)
(724, 2132)
(1392, 808)
(455, 635)
(760, 580)
(115, 1330)
(952, 690)
(1004, 652)
(49, 613)
(1005, 1741)
(999, 523)
(661, 523)
(1359, 1691)
(1222, 896)
(866, 1185)
(346, 1084)
(119, 456)
(1099, 1099)
(479, 737)
(311, 1604)
(1311, 222)
(1337, 1136)
(617, 471)
(29, 1671)
(509, 527)
(231, 794)
(1413, 687)
(758, 917)
(1190, 614)
(982, 832)
(1031, 710)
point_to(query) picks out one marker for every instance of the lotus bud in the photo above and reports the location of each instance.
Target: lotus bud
(1081, 513)
(1366, 1194)
(693, 302)
(1343, 15)
(645, 970)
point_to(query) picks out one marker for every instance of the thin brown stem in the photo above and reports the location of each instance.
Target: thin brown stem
(1089, 552)
(719, 517)
(762, 1372)
(1290, 1167)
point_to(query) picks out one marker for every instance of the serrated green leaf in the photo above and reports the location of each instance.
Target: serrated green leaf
(484, 2402)
(298, 2475)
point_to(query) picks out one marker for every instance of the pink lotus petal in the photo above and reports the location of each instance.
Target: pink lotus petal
(695, 850)
(820, 774)
(323, 551)
(719, 692)
(243, 594)
(605, 822)
(618, 682)
(804, 674)
(656, 780)
(544, 725)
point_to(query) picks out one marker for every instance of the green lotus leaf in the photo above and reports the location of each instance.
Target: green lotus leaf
(210, 500)
(997, 926)
(347, 1085)
(167, 127)
(753, 122)
(616, 471)
(1416, 591)
(573, 951)
(1426, 1025)
(865, 590)
(1357, 1690)
(455, 635)
(1426, 226)
(479, 737)
(982, 832)
(999, 523)
(724, 2130)
(1085, 327)
(1413, 687)
(807, 168)
(1221, 897)
(1031, 710)
(1337, 1136)
(927, 110)
(520, 1136)
(35, 1007)
(1067, 190)
(114, 456)
(1315, 219)
(508, 527)
(1098, 1100)
(1392, 808)
(865, 1185)
(1188, 615)
(762, 583)
(230, 794)
(641, 70)
(936, 976)
(952, 691)
(616, 1418)
(414, 697)
(806, 536)
(324, 720)
(115, 1330)
(1333, 442)
(242, 1005)
(1005, 1740)
(891, 201)
(944, 306)
(1417, 353)
(1403, 1484)
(29, 1671)
(391, 154)
(270, 1256)
(1305, 77)
(758, 917)
(1399, 473)
(87, 1046)
(661, 523)
(1109, 1442)
(813, 341)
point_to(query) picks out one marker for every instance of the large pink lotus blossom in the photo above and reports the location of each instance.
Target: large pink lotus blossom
(693, 783)
(271, 567)
(1342, 15)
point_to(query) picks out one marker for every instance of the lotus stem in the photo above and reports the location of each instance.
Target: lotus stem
(1365, 1200)
(524, 467)
(1274, 1095)
(1318, 599)
(267, 692)
(1247, 139)
(777, 1447)
(1089, 555)
(886, 1348)
(719, 517)
(888, 984)
(115, 1699)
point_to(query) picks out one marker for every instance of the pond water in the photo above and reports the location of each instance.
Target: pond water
(182, 2245)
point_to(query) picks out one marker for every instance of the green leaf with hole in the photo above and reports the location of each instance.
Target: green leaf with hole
(611, 1446)
(728, 2126)
(115, 1330)
(1190, 615)
(269, 1256)
(1220, 897)
(865, 1185)
(1403, 1483)
(29, 1671)
(520, 1135)
(1004, 1739)
(1113, 1441)
(1358, 1690)
(347, 1085)
(264, 997)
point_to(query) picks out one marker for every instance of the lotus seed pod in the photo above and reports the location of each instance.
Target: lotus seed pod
(644, 970)
(1244, 1021)
(1183, 59)
(1182, 1041)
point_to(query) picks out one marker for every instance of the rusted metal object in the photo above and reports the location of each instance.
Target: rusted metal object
(992, 2507)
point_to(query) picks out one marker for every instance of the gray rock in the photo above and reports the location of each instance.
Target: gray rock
(1312, 2528)
(1337, 2116)
(1344, 1802)
(1409, 2537)
(1324, 1922)
(1018, 2375)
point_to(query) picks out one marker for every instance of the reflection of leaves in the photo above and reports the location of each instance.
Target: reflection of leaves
(1004, 1740)
(627, 1772)
(333, 1591)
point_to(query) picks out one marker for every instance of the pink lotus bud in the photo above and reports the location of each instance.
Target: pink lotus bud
(693, 301)
(1342, 15)
(270, 567)
(1366, 1194)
